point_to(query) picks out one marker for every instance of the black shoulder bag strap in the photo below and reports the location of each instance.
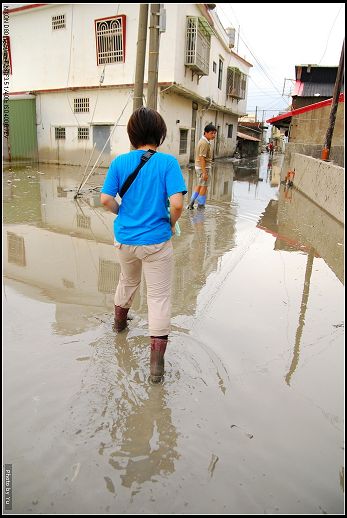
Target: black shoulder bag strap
(145, 157)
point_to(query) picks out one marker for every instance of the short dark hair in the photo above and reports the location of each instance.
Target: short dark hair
(209, 128)
(146, 126)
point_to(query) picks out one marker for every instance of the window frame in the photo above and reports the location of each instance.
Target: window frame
(60, 24)
(180, 152)
(56, 132)
(81, 105)
(83, 133)
(220, 72)
(122, 17)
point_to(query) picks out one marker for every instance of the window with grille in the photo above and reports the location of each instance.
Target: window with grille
(15, 249)
(83, 133)
(59, 133)
(83, 221)
(6, 56)
(108, 276)
(230, 130)
(198, 43)
(81, 105)
(236, 83)
(183, 141)
(220, 74)
(58, 22)
(110, 40)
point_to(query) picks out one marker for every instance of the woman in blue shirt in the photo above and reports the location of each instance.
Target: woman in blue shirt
(143, 227)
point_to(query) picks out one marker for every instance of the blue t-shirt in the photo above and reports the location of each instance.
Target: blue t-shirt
(143, 215)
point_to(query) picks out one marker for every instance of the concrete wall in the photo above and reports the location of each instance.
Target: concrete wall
(322, 182)
(308, 130)
(324, 233)
(337, 153)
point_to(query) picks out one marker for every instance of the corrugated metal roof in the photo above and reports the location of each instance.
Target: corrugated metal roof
(316, 74)
(317, 90)
(247, 137)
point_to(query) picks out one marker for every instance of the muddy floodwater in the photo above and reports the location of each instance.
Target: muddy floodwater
(250, 416)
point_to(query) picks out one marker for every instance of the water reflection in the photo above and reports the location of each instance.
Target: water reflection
(127, 418)
(300, 225)
(123, 436)
(65, 245)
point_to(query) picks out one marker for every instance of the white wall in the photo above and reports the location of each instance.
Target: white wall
(49, 60)
(45, 59)
(56, 109)
(207, 86)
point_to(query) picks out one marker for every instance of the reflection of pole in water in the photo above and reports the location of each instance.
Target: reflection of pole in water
(303, 308)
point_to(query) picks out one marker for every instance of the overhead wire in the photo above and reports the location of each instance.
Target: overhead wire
(326, 46)
(256, 59)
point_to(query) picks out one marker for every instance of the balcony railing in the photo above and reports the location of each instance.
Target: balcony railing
(236, 83)
(198, 43)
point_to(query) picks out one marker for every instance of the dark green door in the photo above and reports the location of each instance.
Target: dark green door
(22, 130)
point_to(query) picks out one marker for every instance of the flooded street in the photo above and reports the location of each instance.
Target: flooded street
(250, 417)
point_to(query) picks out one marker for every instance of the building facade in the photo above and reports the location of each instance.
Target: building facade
(76, 64)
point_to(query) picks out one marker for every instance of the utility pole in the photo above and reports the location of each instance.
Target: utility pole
(140, 56)
(334, 105)
(153, 59)
(256, 110)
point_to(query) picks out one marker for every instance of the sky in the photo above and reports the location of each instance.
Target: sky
(276, 37)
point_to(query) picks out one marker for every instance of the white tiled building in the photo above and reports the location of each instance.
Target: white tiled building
(78, 62)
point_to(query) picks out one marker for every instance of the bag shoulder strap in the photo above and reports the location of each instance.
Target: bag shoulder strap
(145, 157)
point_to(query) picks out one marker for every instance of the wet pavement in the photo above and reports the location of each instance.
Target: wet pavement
(249, 419)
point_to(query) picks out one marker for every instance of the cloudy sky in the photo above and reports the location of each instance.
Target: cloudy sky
(275, 38)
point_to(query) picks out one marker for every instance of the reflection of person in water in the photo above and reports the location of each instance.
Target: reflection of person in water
(149, 442)
(146, 436)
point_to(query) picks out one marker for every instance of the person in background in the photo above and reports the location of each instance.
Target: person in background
(143, 228)
(271, 148)
(203, 161)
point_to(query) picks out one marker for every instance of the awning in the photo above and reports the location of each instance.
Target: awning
(247, 137)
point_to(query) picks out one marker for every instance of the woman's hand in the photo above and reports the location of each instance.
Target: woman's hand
(109, 202)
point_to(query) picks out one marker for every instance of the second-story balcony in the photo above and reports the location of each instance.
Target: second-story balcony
(198, 43)
(236, 83)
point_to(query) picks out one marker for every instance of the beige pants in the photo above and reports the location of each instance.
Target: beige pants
(157, 264)
(201, 181)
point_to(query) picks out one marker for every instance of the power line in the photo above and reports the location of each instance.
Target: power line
(256, 59)
(326, 46)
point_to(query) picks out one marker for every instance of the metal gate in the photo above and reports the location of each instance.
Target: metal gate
(22, 141)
